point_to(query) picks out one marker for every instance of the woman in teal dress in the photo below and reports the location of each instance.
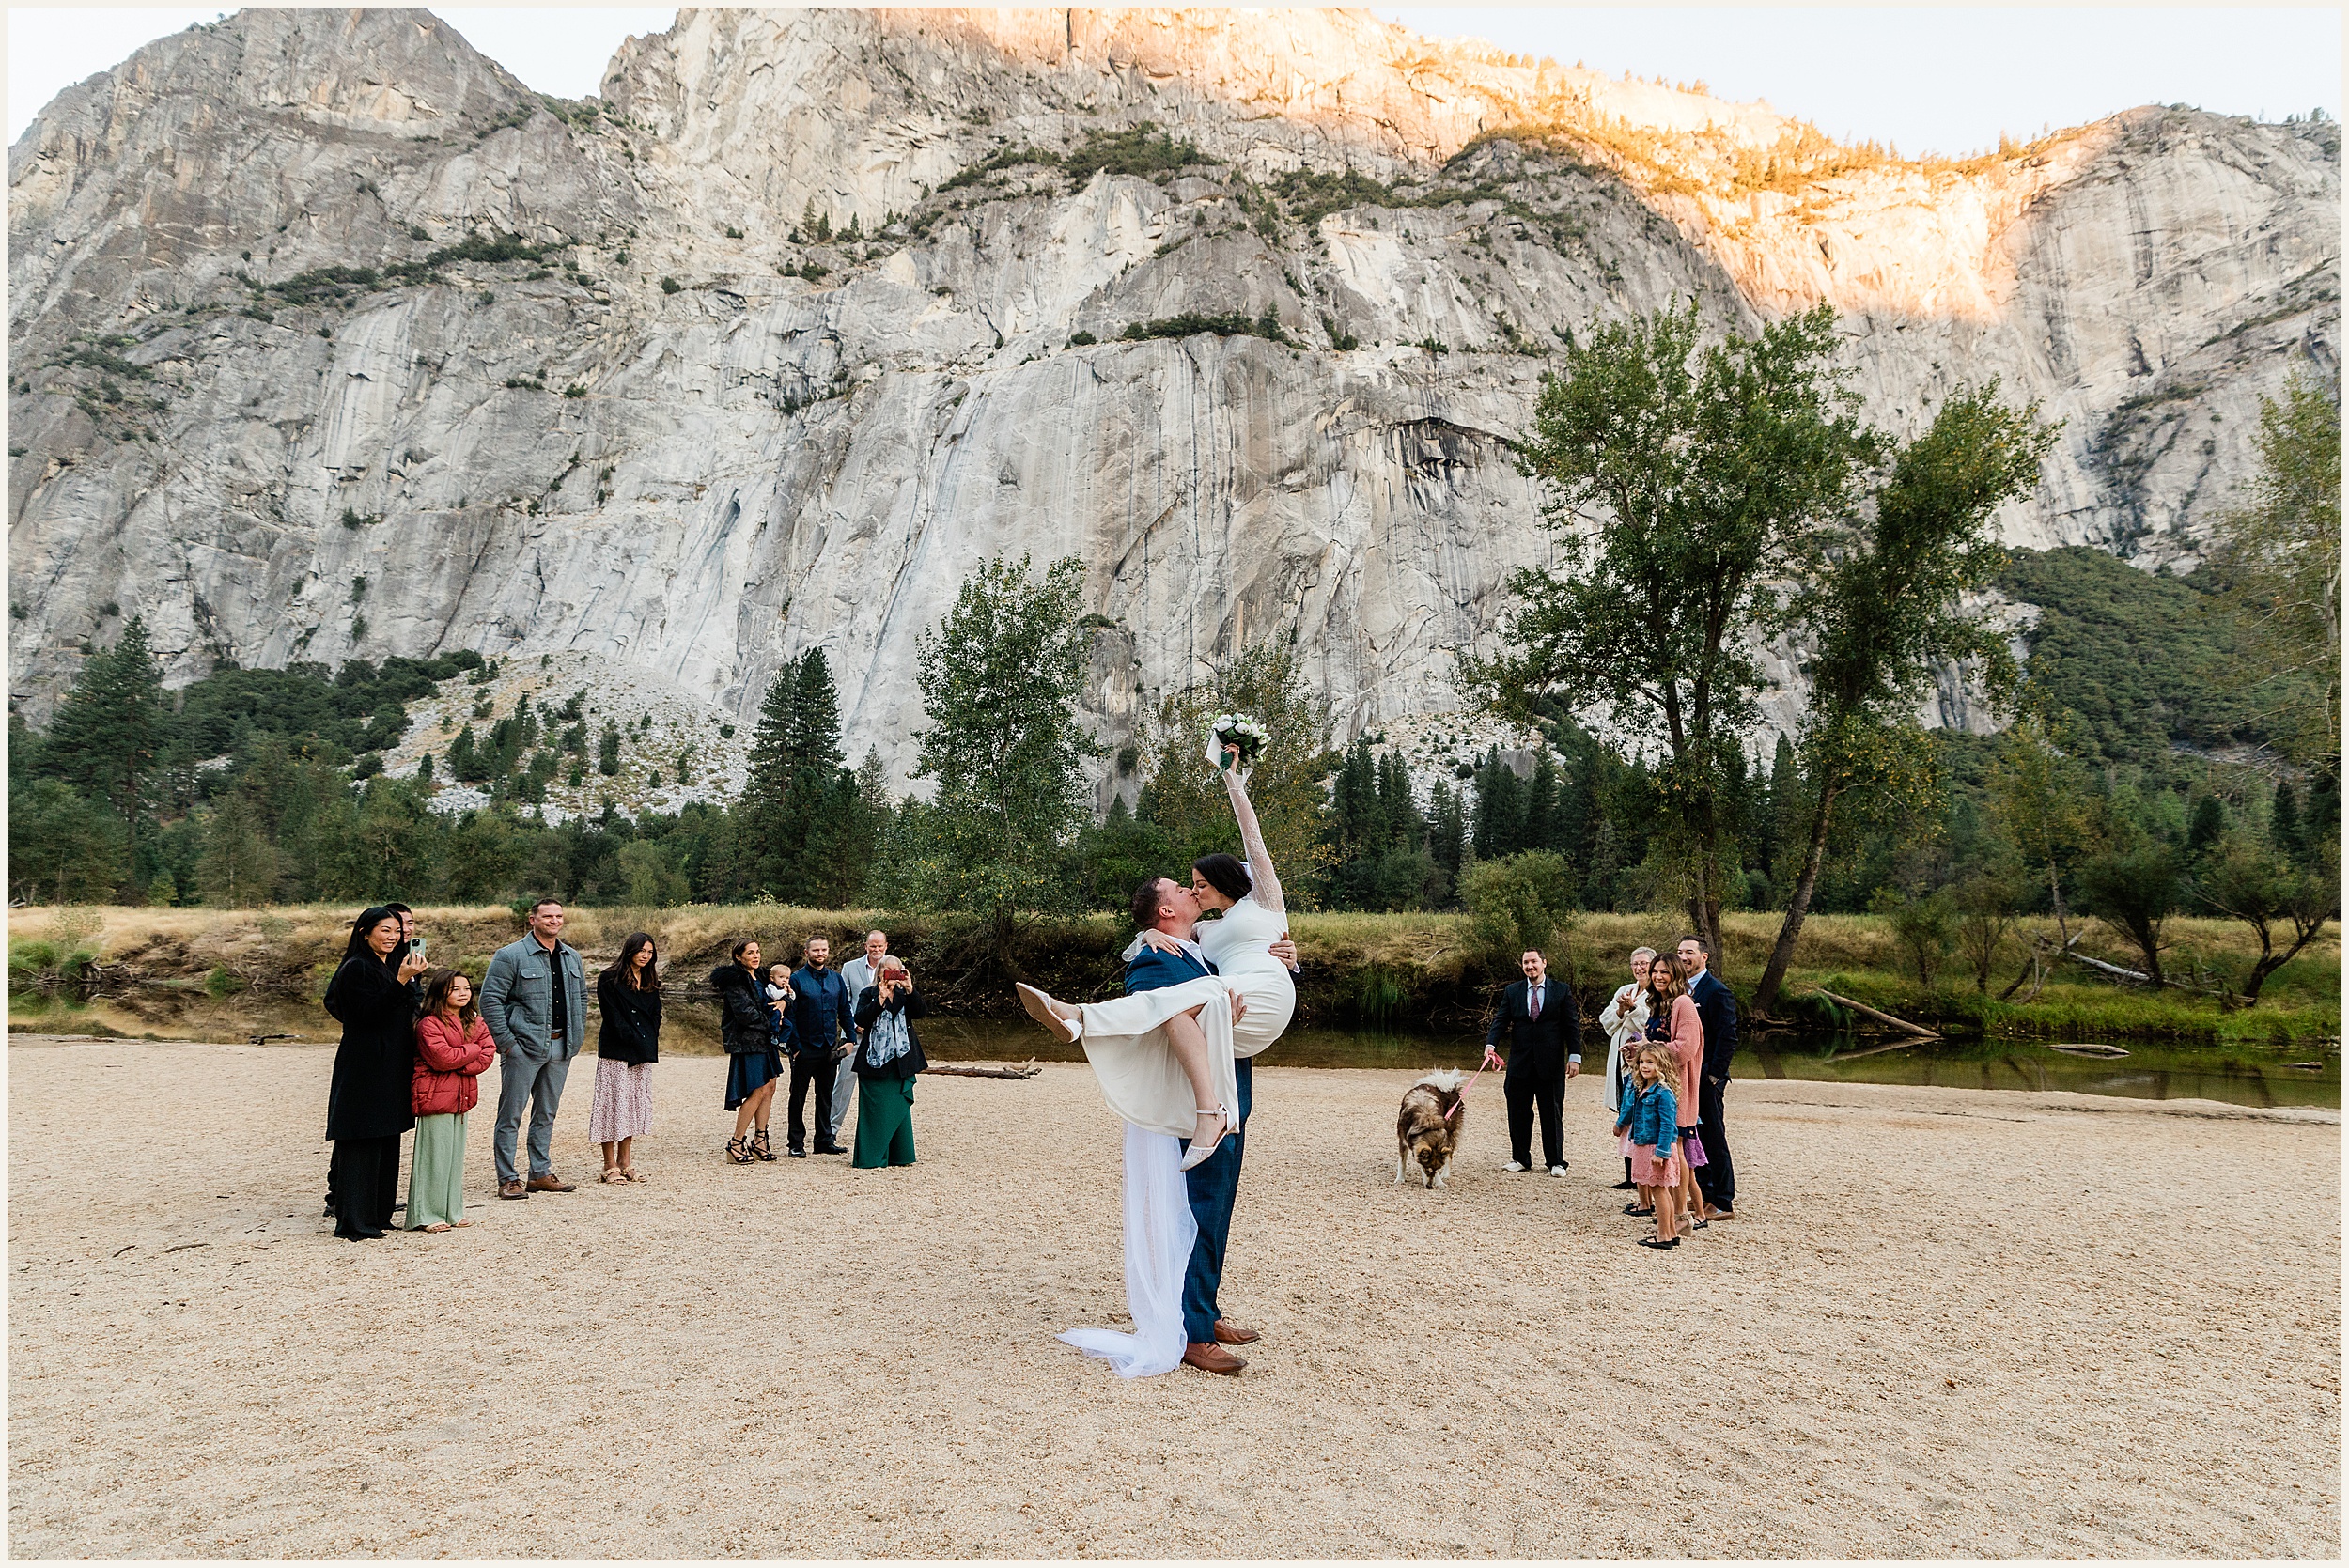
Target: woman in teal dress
(887, 1057)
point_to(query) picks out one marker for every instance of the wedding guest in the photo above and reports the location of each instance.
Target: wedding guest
(856, 974)
(1651, 1121)
(628, 995)
(391, 961)
(367, 1097)
(823, 1019)
(1718, 1009)
(746, 1024)
(886, 1061)
(453, 1051)
(534, 1001)
(1545, 1050)
(1685, 1035)
(1625, 1020)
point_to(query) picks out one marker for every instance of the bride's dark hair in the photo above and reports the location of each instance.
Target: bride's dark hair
(1227, 874)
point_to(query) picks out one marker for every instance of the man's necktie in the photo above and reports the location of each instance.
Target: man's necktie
(1534, 1012)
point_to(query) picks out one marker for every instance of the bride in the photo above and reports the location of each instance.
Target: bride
(1222, 991)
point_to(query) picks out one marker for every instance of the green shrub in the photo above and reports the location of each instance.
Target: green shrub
(1516, 903)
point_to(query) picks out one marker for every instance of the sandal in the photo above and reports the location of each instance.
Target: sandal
(628, 1175)
(759, 1146)
(1659, 1246)
(1199, 1153)
(739, 1151)
(613, 1177)
(1638, 1213)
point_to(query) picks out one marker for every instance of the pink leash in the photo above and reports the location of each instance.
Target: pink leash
(1481, 1065)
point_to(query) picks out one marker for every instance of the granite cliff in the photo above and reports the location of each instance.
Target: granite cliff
(811, 309)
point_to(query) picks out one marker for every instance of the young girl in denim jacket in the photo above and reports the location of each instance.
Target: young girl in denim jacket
(1651, 1120)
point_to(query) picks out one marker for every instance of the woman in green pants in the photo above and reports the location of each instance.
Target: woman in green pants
(886, 1060)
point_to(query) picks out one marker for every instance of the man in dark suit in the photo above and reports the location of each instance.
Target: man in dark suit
(1545, 1050)
(1716, 1178)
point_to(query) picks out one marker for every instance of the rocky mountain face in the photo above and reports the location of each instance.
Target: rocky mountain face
(811, 310)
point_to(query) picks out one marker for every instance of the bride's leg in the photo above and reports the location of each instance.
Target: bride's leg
(1189, 1043)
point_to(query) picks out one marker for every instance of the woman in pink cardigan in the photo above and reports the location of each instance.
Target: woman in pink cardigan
(1669, 986)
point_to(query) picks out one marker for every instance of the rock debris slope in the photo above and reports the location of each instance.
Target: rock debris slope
(813, 309)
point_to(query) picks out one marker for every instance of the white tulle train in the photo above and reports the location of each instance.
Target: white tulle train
(1160, 1232)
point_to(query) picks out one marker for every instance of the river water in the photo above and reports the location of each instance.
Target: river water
(2300, 1076)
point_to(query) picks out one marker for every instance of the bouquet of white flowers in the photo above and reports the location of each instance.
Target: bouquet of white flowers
(1236, 729)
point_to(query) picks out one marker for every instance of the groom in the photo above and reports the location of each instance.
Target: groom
(1164, 905)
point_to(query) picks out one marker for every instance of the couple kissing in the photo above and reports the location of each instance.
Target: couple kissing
(1172, 1057)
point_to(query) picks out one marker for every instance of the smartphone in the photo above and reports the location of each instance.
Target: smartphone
(415, 946)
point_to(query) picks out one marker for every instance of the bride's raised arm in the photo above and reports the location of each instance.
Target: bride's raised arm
(1266, 883)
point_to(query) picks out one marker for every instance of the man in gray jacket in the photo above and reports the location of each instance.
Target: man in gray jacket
(534, 1001)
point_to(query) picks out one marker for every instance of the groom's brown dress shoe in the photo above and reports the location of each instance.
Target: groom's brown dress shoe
(1212, 1357)
(1232, 1333)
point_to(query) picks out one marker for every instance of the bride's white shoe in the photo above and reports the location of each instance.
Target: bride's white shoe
(1041, 1008)
(1199, 1153)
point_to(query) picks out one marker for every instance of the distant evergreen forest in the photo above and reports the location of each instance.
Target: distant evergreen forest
(267, 786)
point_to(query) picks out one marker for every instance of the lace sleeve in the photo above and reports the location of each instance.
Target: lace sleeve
(1266, 889)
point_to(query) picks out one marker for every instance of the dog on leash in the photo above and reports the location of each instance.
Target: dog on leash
(1427, 1128)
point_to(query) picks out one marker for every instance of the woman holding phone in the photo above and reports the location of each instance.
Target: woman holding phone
(886, 1060)
(368, 1098)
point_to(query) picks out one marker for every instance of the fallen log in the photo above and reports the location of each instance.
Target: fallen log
(2138, 977)
(1027, 1070)
(1885, 1019)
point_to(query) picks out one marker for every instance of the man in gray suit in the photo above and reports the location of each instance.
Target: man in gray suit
(856, 974)
(534, 1001)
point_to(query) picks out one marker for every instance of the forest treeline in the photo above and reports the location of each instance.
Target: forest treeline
(2148, 775)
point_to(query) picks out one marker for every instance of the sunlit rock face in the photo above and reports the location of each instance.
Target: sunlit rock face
(642, 440)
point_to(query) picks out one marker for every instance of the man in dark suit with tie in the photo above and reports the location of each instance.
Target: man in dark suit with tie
(1545, 1050)
(1716, 1178)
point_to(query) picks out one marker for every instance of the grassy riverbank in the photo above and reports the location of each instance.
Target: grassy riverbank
(1400, 971)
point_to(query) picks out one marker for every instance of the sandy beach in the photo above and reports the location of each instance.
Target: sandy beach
(1946, 1323)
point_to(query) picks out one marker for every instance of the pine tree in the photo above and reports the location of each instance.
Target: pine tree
(1447, 842)
(607, 750)
(2283, 823)
(107, 731)
(1499, 815)
(1541, 805)
(464, 762)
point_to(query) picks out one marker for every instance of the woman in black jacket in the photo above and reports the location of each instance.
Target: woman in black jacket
(629, 996)
(746, 1022)
(889, 1053)
(367, 1101)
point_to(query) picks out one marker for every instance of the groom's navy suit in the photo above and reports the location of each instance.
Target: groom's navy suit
(1215, 1181)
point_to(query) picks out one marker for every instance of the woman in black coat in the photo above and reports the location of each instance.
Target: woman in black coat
(747, 1024)
(367, 1102)
(629, 996)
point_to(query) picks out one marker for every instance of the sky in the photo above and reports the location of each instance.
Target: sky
(1927, 79)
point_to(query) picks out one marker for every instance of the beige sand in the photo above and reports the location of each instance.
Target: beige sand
(1947, 1323)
